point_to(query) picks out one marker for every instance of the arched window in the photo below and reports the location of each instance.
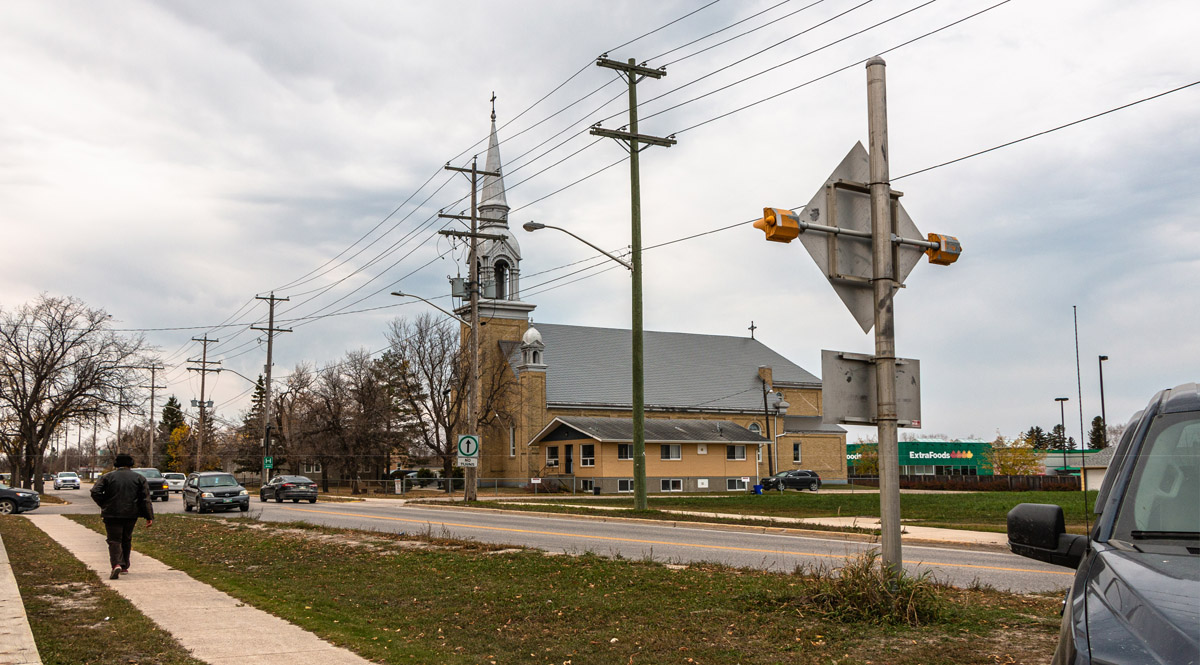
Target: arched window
(537, 357)
(755, 428)
(501, 280)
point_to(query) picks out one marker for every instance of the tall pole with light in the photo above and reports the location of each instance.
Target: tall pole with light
(1103, 415)
(1062, 424)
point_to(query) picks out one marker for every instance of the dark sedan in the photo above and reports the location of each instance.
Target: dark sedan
(159, 491)
(1137, 579)
(13, 501)
(797, 479)
(296, 488)
(214, 490)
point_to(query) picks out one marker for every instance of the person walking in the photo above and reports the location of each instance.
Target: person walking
(123, 496)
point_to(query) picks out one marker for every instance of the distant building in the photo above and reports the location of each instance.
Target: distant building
(933, 458)
(720, 411)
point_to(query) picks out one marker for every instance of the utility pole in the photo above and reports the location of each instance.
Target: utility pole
(885, 285)
(153, 371)
(470, 492)
(204, 369)
(270, 330)
(631, 140)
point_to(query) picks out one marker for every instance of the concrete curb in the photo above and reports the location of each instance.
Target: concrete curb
(16, 637)
(746, 528)
(193, 612)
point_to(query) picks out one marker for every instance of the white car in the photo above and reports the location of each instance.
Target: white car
(66, 480)
(175, 481)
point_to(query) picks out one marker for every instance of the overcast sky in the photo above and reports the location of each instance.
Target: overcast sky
(167, 162)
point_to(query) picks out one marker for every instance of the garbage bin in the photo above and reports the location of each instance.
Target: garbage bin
(758, 489)
(596, 490)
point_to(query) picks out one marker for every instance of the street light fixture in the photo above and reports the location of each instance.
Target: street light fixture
(434, 305)
(639, 384)
(1103, 415)
(1062, 416)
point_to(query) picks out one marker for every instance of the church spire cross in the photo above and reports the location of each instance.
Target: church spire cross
(752, 329)
(493, 105)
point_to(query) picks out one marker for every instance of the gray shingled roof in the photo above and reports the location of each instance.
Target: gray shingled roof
(592, 367)
(658, 430)
(1100, 459)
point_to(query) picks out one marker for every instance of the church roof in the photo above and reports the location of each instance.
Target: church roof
(589, 366)
(658, 430)
(494, 204)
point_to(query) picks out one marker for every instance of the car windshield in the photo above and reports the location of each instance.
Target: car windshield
(68, 474)
(218, 481)
(1163, 497)
(296, 479)
(150, 473)
(174, 476)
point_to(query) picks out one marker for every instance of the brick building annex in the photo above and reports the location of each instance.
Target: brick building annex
(720, 411)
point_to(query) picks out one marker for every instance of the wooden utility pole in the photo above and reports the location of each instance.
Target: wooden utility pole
(470, 492)
(632, 140)
(204, 369)
(153, 367)
(270, 330)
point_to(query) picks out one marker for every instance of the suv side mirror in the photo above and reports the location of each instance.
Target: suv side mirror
(1038, 531)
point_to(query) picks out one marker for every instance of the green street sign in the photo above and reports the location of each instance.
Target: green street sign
(268, 462)
(468, 445)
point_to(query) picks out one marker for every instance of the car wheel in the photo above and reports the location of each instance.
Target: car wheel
(278, 499)
(8, 507)
(245, 507)
(295, 500)
(199, 507)
(262, 497)
(187, 507)
(814, 486)
(312, 500)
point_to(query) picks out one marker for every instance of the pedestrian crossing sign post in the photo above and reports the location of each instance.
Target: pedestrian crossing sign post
(268, 462)
(468, 450)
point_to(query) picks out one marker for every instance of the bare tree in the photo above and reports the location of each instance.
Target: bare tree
(58, 361)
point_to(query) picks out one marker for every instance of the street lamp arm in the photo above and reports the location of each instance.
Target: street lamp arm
(431, 304)
(534, 226)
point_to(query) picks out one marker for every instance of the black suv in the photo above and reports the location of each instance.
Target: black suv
(1134, 598)
(214, 490)
(798, 479)
(158, 484)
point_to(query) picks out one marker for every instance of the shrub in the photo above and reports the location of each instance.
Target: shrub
(864, 590)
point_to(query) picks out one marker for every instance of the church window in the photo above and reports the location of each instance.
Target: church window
(625, 484)
(551, 455)
(796, 452)
(672, 451)
(755, 428)
(501, 280)
(624, 451)
(587, 454)
(735, 453)
(537, 357)
(512, 441)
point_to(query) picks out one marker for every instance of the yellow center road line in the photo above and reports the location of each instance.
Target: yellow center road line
(658, 542)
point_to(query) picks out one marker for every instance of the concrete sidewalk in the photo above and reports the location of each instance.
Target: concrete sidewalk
(16, 639)
(217, 628)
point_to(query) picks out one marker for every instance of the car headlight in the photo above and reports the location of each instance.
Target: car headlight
(244, 493)
(206, 495)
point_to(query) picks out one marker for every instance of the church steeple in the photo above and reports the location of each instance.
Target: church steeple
(493, 211)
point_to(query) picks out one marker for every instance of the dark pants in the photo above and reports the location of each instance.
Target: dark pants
(120, 539)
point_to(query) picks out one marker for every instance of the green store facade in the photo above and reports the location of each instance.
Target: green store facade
(932, 458)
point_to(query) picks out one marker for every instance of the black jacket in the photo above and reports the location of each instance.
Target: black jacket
(123, 494)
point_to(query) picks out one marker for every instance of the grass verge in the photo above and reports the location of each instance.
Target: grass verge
(404, 599)
(75, 619)
(973, 511)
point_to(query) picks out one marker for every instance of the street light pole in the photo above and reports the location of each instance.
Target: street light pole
(1062, 420)
(1103, 415)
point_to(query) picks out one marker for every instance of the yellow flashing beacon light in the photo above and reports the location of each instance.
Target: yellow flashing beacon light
(947, 250)
(780, 225)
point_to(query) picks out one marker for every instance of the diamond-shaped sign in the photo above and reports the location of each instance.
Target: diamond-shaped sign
(847, 260)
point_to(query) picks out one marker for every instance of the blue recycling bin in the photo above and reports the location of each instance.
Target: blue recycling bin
(758, 489)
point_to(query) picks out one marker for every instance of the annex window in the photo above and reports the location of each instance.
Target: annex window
(735, 453)
(733, 484)
(672, 451)
(672, 484)
(625, 484)
(587, 454)
(796, 452)
(587, 484)
(624, 451)
(758, 454)
(512, 441)
(311, 467)
(551, 455)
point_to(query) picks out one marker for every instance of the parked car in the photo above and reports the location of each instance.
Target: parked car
(296, 488)
(13, 501)
(1133, 599)
(214, 490)
(175, 481)
(158, 485)
(66, 480)
(798, 479)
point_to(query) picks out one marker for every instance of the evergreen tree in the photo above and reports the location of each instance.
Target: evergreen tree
(1059, 440)
(172, 419)
(1096, 435)
(250, 433)
(1037, 437)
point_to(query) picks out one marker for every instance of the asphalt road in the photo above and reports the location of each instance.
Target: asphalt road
(634, 539)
